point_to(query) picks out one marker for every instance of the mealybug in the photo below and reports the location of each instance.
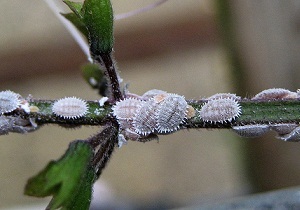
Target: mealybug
(144, 121)
(220, 110)
(70, 108)
(172, 111)
(9, 101)
(251, 130)
(126, 108)
(275, 93)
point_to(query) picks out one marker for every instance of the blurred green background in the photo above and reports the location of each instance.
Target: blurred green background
(195, 48)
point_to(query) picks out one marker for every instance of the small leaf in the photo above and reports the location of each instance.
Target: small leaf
(68, 179)
(98, 18)
(77, 22)
(95, 77)
(92, 74)
(75, 7)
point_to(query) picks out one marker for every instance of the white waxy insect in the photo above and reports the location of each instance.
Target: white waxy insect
(144, 121)
(220, 110)
(293, 136)
(70, 108)
(224, 95)
(126, 108)
(283, 128)
(172, 111)
(251, 130)
(275, 93)
(9, 101)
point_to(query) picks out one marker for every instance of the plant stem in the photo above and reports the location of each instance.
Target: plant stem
(106, 140)
(110, 70)
(253, 112)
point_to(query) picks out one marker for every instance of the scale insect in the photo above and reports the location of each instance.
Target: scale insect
(70, 108)
(251, 131)
(220, 110)
(172, 112)
(144, 121)
(275, 93)
(9, 101)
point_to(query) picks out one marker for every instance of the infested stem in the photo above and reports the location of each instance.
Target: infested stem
(253, 112)
(97, 115)
(256, 112)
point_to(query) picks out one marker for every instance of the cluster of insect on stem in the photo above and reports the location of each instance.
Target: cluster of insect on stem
(158, 112)
(155, 112)
(139, 118)
(285, 131)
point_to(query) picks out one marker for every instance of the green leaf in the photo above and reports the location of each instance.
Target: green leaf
(98, 18)
(77, 22)
(75, 7)
(95, 77)
(69, 179)
(92, 74)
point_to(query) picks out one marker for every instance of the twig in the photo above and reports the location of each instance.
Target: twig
(111, 73)
(253, 112)
(106, 140)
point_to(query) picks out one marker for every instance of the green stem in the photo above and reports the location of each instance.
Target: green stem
(253, 112)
